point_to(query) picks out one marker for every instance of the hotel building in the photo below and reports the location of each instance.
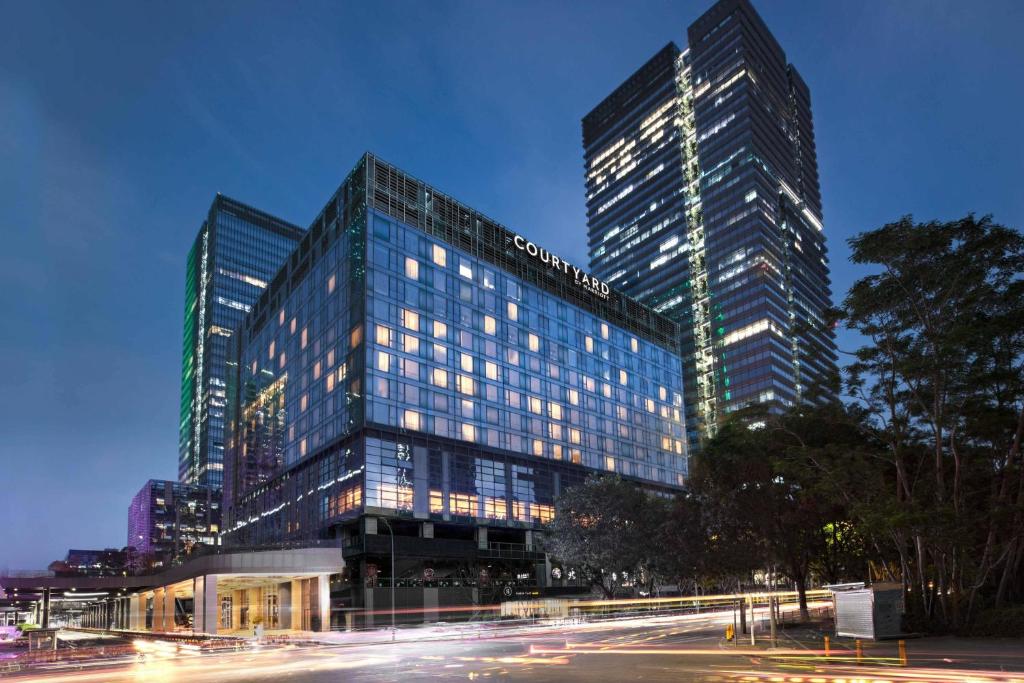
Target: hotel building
(417, 374)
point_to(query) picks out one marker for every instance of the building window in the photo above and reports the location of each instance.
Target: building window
(410, 320)
(533, 342)
(412, 268)
(439, 255)
(411, 420)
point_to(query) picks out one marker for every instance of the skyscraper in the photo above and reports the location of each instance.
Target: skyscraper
(237, 252)
(703, 203)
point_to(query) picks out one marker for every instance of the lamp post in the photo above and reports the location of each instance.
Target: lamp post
(392, 533)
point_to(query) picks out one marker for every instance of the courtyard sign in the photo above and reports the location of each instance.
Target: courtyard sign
(581, 278)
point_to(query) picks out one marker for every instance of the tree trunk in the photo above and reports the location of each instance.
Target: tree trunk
(801, 589)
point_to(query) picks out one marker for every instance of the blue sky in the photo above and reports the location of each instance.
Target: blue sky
(119, 121)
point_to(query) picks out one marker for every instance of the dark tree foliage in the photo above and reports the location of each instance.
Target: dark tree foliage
(941, 379)
(607, 530)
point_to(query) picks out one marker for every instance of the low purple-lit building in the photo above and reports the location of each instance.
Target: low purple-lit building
(167, 520)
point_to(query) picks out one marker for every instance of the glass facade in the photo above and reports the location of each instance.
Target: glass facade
(439, 374)
(237, 252)
(168, 519)
(703, 202)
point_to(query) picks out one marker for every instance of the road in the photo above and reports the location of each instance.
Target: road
(682, 648)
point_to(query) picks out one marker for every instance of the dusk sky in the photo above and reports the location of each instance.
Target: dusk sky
(120, 121)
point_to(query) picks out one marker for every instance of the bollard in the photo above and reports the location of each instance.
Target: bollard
(903, 652)
(828, 650)
(860, 651)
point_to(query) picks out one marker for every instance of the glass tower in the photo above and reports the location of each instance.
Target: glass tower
(168, 519)
(417, 362)
(703, 202)
(236, 253)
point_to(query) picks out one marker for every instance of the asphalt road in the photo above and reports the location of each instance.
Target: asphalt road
(657, 649)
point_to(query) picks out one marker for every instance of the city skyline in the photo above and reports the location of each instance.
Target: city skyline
(108, 449)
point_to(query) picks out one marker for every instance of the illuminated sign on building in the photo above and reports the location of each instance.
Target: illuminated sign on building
(581, 278)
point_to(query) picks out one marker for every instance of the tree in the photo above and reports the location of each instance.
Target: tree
(606, 530)
(767, 488)
(942, 381)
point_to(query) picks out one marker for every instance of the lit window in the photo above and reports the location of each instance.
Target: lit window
(356, 338)
(412, 343)
(574, 397)
(270, 351)
(555, 431)
(538, 447)
(440, 330)
(440, 353)
(556, 451)
(331, 281)
(439, 255)
(609, 463)
(604, 330)
(383, 361)
(411, 419)
(513, 311)
(436, 501)
(555, 410)
(663, 393)
(649, 404)
(330, 382)
(588, 344)
(634, 345)
(606, 389)
(412, 268)
(316, 370)
(513, 356)
(589, 384)
(282, 359)
(462, 504)
(491, 370)
(575, 436)
(410, 319)
(302, 447)
(533, 342)
(466, 362)
(439, 377)
(330, 358)
(383, 335)
(465, 268)
(468, 432)
(280, 317)
(465, 384)
(304, 402)
(490, 325)
(305, 336)
(623, 377)
(292, 325)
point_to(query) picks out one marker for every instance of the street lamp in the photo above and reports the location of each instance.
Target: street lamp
(392, 532)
